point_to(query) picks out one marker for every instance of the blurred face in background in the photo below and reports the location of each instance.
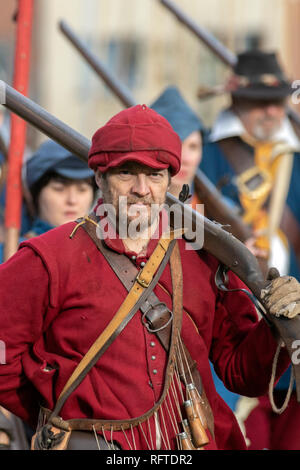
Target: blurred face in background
(63, 200)
(191, 154)
(261, 118)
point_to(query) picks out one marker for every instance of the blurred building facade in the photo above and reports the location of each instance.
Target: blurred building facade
(147, 49)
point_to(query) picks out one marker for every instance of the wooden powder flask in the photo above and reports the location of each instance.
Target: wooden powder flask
(197, 403)
(184, 442)
(199, 435)
(186, 428)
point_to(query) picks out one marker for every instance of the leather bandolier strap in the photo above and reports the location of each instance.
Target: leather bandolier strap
(158, 316)
(54, 432)
(164, 323)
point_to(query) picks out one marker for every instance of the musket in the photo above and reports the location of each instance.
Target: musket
(221, 51)
(220, 243)
(208, 194)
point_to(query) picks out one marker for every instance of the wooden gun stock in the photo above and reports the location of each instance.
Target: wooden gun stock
(220, 243)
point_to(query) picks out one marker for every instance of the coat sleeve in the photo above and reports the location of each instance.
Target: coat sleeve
(243, 347)
(24, 293)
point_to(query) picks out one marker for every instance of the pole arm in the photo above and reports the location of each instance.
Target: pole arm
(221, 51)
(224, 54)
(101, 70)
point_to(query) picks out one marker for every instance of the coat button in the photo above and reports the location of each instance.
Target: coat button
(154, 371)
(153, 358)
(143, 264)
(133, 257)
(152, 344)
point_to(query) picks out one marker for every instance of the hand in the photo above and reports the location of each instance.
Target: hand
(4, 440)
(282, 295)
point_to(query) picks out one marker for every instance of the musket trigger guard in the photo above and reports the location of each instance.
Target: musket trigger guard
(221, 280)
(221, 277)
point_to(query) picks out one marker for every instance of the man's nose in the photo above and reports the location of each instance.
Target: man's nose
(273, 110)
(141, 186)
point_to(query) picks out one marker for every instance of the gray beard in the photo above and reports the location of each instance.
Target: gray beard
(261, 134)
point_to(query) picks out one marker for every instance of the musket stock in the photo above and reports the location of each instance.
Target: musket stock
(220, 243)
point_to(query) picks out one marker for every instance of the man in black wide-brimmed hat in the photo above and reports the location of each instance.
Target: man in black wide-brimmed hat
(253, 153)
(253, 157)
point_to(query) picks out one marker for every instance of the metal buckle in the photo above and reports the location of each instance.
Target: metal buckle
(142, 282)
(146, 323)
(248, 185)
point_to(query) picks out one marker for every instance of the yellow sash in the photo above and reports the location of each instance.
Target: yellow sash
(253, 201)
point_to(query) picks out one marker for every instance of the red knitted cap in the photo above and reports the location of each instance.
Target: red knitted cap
(136, 134)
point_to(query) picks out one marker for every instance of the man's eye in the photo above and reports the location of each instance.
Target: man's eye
(125, 173)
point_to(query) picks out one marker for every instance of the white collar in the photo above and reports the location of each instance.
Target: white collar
(228, 125)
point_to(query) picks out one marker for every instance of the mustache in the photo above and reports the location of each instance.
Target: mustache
(274, 120)
(145, 201)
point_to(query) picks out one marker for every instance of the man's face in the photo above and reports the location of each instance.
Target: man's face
(191, 154)
(261, 118)
(138, 188)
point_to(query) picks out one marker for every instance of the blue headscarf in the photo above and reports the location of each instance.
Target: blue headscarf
(51, 156)
(172, 106)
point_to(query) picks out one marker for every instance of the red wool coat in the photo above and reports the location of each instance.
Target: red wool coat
(58, 294)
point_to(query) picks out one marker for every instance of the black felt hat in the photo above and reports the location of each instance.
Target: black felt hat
(258, 75)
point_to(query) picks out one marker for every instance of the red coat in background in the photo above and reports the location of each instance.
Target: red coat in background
(58, 294)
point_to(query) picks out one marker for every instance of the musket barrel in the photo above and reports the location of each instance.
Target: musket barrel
(120, 91)
(44, 121)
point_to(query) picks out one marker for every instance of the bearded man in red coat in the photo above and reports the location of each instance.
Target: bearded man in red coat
(150, 386)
